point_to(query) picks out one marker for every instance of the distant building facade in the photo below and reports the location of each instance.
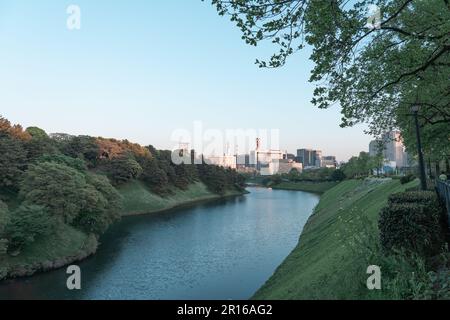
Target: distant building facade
(329, 162)
(305, 156)
(286, 166)
(392, 149)
(309, 157)
(317, 158)
(222, 161)
(266, 161)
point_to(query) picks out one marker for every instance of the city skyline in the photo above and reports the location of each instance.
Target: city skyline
(118, 77)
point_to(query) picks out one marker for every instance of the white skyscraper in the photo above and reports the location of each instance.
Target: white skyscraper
(392, 148)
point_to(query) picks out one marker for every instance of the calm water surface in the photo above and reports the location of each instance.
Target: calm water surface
(224, 249)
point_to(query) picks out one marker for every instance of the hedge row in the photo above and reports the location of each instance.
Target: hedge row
(414, 221)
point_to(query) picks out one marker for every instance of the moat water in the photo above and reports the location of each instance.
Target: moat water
(225, 249)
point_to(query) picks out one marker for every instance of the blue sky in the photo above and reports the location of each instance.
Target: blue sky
(141, 69)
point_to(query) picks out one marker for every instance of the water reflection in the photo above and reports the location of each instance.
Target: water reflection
(224, 249)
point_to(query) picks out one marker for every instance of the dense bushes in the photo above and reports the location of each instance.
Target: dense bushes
(123, 169)
(407, 178)
(413, 221)
(338, 175)
(55, 186)
(219, 179)
(101, 206)
(4, 220)
(50, 181)
(84, 199)
(162, 176)
(27, 223)
(311, 175)
(83, 147)
(12, 160)
(74, 163)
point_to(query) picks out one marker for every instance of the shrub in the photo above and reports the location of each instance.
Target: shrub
(55, 186)
(415, 196)
(74, 163)
(12, 161)
(101, 206)
(122, 170)
(27, 223)
(154, 177)
(338, 175)
(413, 221)
(407, 178)
(4, 220)
(406, 276)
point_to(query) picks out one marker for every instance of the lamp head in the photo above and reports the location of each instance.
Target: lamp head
(415, 108)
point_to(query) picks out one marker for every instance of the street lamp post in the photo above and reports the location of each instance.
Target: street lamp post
(423, 179)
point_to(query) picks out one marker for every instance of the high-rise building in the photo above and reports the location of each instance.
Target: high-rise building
(309, 157)
(392, 148)
(222, 161)
(265, 161)
(305, 156)
(317, 158)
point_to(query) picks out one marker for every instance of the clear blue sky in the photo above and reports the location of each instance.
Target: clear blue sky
(141, 69)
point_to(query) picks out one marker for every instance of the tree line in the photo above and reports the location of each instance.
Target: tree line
(50, 180)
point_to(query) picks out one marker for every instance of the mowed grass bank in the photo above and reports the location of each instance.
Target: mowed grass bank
(308, 186)
(138, 199)
(331, 259)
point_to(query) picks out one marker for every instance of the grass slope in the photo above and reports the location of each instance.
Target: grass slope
(316, 187)
(67, 246)
(138, 199)
(328, 262)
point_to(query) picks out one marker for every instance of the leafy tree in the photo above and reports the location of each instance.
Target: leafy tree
(27, 223)
(74, 163)
(213, 177)
(377, 71)
(40, 144)
(350, 168)
(36, 132)
(15, 131)
(360, 166)
(101, 205)
(234, 179)
(4, 217)
(4, 220)
(338, 175)
(154, 176)
(154, 152)
(12, 160)
(364, 164)
(322, 174)
(83, 199)
(56, 187)
(102, 185)
(168, 169)
(182, 178)
(121, 170)
(112, 148)
(83, 147)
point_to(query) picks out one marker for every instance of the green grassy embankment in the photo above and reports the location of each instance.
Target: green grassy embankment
(336, 245)
(315, 187)
(138, 199)
(68, 245)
